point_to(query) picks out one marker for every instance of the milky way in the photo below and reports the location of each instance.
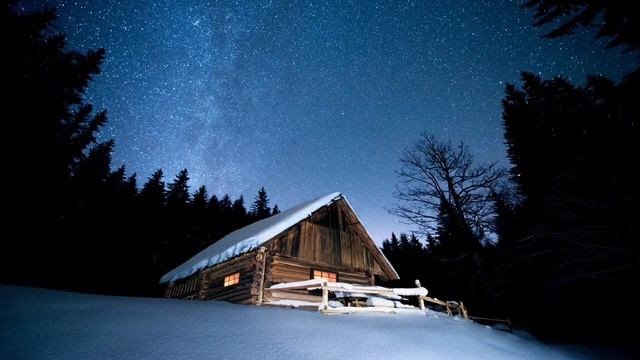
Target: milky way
(307, 98)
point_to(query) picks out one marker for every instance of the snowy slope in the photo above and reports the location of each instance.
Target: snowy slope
(47, 324)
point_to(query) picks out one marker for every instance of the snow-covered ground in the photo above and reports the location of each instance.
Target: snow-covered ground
(48, 324)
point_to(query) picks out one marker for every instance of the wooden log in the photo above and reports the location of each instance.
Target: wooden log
(291, 295)
(262, 253)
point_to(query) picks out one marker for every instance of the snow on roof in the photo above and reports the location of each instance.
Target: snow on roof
(248, 238)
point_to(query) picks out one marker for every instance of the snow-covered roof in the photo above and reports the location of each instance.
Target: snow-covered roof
(248, 238)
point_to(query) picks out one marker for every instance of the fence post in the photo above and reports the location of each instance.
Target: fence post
(325, 296)
(463, 310)
(420, 300)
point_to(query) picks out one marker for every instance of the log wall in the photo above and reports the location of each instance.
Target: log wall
(288, 269)
(244, 292)
(187, 288)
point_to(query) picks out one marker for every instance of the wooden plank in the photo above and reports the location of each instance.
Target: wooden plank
(294, 240)
(236, 291)
(322, 265)
(290, 295)
(289, 273)
(280, 278)
(246, 266)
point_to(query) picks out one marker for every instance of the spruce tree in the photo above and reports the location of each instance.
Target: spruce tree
(214, 204)
(239, 213)
(152, 194)
(225, 204)
(200, 198)
(43, 101)
(178, 191)
(94, 170)
(260, 207)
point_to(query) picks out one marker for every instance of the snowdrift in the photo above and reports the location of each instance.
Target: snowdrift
(47, 324)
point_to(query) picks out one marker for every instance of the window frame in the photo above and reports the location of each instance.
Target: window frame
(231, 279)
(313, 275)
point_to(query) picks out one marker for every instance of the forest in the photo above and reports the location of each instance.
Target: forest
(549, 242)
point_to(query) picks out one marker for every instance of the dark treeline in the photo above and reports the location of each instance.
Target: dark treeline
(72, 221)
(551, 243)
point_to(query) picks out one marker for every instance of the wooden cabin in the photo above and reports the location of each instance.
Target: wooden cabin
(320, 239)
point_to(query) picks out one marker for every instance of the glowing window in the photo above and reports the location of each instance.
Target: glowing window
(231, 279)
(325, 275)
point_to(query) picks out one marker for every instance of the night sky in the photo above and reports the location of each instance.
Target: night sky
(306, 98)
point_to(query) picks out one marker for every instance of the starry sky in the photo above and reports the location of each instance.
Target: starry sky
(308, 97)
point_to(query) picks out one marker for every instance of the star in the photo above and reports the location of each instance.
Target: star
(305, 98)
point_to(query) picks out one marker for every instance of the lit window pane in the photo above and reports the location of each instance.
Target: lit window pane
(231, 279)
(325, 275)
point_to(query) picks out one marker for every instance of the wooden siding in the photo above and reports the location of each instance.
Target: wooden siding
(287, 269)
(208, 284)
(238, 293)
(187, 288)
(332, 236)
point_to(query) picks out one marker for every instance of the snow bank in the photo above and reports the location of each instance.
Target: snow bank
(248, 238)
(420, 291)
(46, 324)
(378, 301)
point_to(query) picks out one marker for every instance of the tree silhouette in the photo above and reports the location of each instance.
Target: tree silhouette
(152, 194)
(200, 198)
(52, 129)
(434, 171)
(617, 20)
(178, 191)
(43, 85)
(260, 207)
(575, 164)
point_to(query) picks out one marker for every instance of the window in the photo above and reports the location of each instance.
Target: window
(325, 275)
(231, 279)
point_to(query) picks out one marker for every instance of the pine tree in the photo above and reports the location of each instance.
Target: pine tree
(260, 207)
(453, 234)
(200, 198)
(94, 170)
(404, 244)
(214, 204)
(394, 244)
(617, 20)
(575, 164)
(225, 204)
(239, 212)
(43, 87)
(178, 191)
(120, 190)
(275, 210)
(130, 187)
(415, 244)
(431, 243)
(152, 194)
(390, 248)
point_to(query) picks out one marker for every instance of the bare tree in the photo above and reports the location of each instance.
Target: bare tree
(435, 171)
